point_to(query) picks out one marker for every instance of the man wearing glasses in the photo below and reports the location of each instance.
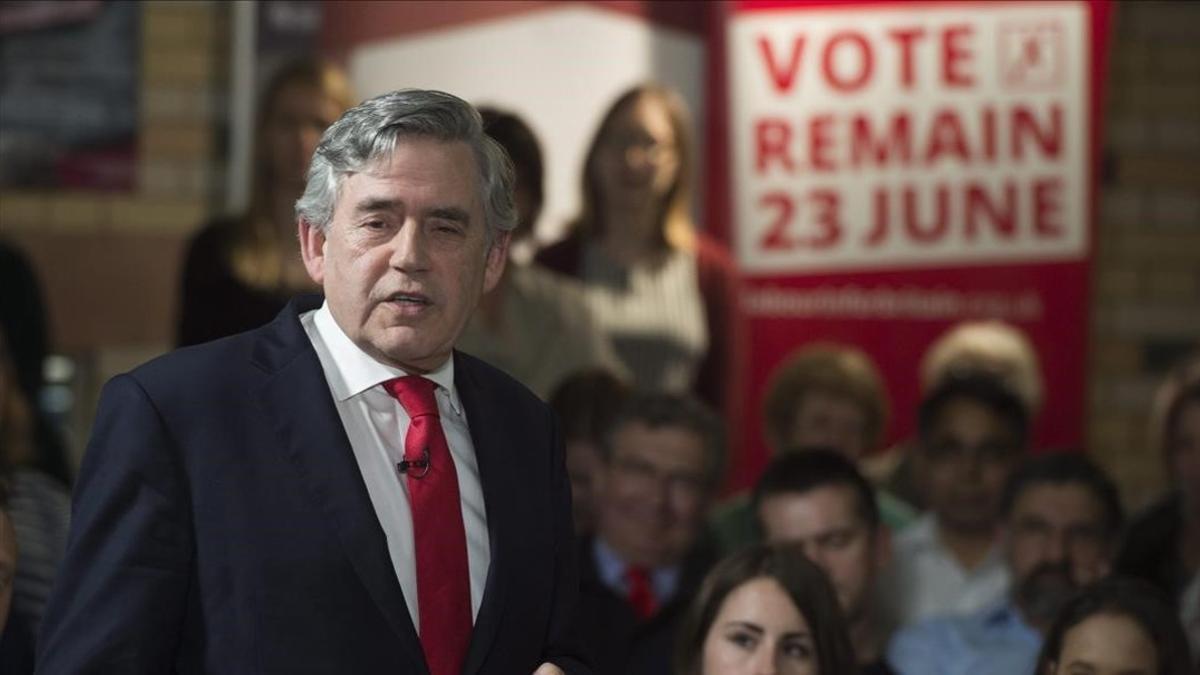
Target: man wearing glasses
(662, 461)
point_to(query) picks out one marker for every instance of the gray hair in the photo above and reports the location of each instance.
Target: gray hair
(369, 131)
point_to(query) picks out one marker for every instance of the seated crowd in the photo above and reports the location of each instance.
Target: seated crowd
(1021, 560)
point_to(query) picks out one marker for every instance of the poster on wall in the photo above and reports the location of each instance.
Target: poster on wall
(898, 168)
(69, 94)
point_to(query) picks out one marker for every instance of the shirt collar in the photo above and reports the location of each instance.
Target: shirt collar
(356, 372)
(1007, 616)
(612, 568)
(924, 535)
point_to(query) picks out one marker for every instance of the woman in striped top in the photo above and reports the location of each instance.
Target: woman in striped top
(665, 293)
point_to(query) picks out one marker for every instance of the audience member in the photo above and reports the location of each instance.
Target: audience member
(1061, 517)
(16, 635)
(38, 504)
(534, 325)
(993, 347)
(972, 434)
(23, 319)
(1162, 544)
(989, 347)
(665, 294)
(1115, 627)
(662, 459)
(239, 272)
(819, 500)
(823, 395)
(586, 403)
(765, 609)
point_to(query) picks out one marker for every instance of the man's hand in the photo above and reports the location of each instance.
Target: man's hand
(548, 669)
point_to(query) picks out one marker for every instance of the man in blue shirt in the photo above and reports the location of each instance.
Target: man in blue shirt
(662, 460)
(1061, 515)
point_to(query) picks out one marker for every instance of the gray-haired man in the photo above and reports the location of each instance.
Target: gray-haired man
(338, 491)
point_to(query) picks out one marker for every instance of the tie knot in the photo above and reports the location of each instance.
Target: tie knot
(415, 394)
(637, 575)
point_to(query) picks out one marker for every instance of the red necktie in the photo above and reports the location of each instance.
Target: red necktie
(443, 578)
(641, 593)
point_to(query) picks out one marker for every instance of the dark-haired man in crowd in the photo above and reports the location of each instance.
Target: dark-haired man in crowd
(661, 463)
(1061, 516)
(972, 434)
(819, 499)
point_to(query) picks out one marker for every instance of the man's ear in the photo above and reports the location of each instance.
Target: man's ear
(312, 250)
(497, 257)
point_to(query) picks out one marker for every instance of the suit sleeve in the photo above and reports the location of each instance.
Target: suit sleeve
(120, 598)
(563, 643)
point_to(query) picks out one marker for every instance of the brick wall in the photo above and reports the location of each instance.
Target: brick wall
(1146, 286)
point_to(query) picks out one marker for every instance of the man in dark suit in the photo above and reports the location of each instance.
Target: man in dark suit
(662, 460)
(338, 491)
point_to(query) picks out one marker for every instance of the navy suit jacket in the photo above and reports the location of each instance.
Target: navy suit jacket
(221, 525)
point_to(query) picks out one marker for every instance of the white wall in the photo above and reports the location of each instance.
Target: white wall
(558, 68)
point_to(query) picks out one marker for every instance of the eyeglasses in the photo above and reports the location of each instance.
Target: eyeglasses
(643, 476)
(641, 148)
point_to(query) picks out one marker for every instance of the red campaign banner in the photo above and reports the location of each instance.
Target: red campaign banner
(890, 169)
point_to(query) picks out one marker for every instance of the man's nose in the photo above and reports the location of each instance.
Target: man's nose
(408, 248)
(660, 492)
(1056, 547)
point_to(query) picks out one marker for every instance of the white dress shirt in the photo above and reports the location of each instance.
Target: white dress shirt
(926, 580)
(376, 425)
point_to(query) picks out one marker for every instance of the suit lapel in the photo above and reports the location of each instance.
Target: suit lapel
(487, 433)
(300, 408)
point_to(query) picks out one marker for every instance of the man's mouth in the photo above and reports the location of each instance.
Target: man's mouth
(409, 299)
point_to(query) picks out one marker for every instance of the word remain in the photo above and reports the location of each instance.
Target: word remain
(827, 142)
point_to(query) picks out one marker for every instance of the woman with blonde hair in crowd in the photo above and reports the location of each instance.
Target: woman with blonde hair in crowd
(765, 609)
(665, 293)
(239, 272)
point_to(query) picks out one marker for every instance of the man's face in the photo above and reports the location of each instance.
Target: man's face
(1056, 544)
(826, 420)
(964, 463)
(406, 255)
(834, 535)
(652, 493)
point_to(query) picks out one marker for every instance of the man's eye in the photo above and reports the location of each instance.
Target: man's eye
(374, 224)
(447, 228)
